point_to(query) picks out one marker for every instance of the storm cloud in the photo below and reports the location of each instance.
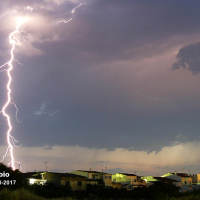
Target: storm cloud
(189, 58)
(103, 80)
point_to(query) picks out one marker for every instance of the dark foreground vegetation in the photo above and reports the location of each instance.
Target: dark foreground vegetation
(25, 194)
(23, 191)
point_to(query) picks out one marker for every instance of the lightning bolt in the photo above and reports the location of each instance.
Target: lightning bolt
(64, 21)
(73, 10)
(10, 139)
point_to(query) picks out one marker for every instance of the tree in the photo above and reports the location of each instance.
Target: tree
(11, 179)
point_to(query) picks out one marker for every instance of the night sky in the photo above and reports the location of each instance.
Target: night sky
(117, 87)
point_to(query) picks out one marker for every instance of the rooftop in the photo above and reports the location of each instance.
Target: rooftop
(90, 171)
(127, 174)
(181, 174)
(165, 179)
(64, 174)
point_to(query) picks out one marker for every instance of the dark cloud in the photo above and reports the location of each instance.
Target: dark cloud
(188, 58)
(89, 87)
(117, 29)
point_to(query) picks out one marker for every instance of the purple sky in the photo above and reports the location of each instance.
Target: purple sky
(116, 87)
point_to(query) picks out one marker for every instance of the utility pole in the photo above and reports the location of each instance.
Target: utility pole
(46, 164)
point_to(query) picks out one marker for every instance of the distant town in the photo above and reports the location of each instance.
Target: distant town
(79, 179)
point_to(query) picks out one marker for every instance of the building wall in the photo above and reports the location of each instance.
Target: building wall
(89, 175)
(108, 180)
(196, 179)
(186, 180)
(95, 175)
(139, 183)
(128, 179)
(132, 179)
(182, 180)
(76, 183)
(92, 182)
(119, 178)
(51, 178)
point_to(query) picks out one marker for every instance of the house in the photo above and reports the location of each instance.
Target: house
(34, 178)
(166, 180)
(182, 178)
(95, 177)
(196, 179)
(128, 179)
(76, 182)
(185, 178)
(150, 180)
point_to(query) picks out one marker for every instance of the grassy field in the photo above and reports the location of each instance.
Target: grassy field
(23, 194)
(192, 197)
